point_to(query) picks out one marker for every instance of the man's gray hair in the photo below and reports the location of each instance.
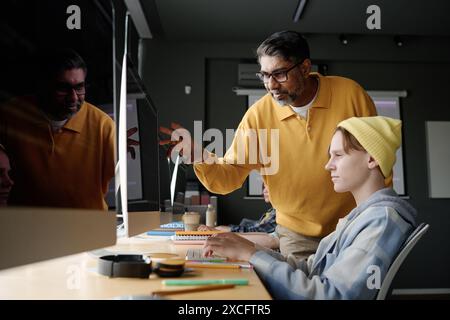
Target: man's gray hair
(290, 45)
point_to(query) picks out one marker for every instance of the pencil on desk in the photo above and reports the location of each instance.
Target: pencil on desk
(212, 265)
(194, 282)
(196, 289)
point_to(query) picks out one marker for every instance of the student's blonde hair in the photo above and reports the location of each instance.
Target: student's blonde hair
(350, 142)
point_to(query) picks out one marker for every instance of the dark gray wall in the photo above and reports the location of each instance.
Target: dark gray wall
(224, 110)
(421, 67)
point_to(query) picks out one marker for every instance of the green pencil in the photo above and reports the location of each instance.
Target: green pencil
(240, 282)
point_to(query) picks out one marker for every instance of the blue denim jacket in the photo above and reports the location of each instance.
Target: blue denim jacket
(351, 262)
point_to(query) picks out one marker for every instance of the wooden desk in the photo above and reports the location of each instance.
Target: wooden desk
(75, 277)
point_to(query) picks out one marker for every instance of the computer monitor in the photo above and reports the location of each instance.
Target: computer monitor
(138, 214)
(140, 182)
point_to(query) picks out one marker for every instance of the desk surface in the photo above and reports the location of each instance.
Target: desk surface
(75, 277)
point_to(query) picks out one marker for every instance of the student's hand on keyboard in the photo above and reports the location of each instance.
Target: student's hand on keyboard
(229, 245)
(197, 255)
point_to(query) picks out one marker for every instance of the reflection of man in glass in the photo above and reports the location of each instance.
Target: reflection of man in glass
(61, 147)
(6, 182)
(68, 94)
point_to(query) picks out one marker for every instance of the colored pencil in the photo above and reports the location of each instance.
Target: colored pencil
(196, 289)
(212, 265)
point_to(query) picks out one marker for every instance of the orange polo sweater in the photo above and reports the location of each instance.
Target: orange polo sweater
(301, 189)
(71, 168)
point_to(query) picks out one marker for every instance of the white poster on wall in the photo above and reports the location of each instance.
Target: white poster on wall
(438, 150)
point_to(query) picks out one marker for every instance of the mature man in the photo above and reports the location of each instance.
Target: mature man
(61, 147)
(305, 108)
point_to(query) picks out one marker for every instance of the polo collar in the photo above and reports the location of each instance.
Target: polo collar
(322, 100)
(77, 121)
(284, 112)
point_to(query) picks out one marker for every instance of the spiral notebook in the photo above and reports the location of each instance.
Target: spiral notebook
(192, 237)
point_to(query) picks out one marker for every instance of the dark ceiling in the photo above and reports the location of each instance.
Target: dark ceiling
(249, 20)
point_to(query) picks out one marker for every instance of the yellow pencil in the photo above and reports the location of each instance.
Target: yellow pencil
(212, 265)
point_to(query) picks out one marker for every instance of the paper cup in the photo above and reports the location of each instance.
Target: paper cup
(191, 221)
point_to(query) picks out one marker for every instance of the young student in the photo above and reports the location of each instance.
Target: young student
(365, 242)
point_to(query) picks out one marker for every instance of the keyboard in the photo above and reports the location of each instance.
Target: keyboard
(197, 255)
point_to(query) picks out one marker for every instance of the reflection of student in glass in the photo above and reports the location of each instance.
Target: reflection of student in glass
(362, 154)
(266, 223)
(61, 145)
(6, 182)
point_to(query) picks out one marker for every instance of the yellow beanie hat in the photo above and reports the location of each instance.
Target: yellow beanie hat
(380, 136)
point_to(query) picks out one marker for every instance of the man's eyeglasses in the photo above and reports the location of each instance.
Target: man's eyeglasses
(279, 76)
(65, 89)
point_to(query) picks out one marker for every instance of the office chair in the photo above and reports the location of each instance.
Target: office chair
(404, 251)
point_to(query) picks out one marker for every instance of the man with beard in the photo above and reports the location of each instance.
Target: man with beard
(305, 108)
(61, 147)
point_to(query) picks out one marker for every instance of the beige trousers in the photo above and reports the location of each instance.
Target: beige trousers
(296, 244)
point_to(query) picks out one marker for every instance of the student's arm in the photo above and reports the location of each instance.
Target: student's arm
(350, 274)
(236, 247)
(262, 238)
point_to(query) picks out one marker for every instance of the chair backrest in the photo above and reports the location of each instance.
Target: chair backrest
(404, 251)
